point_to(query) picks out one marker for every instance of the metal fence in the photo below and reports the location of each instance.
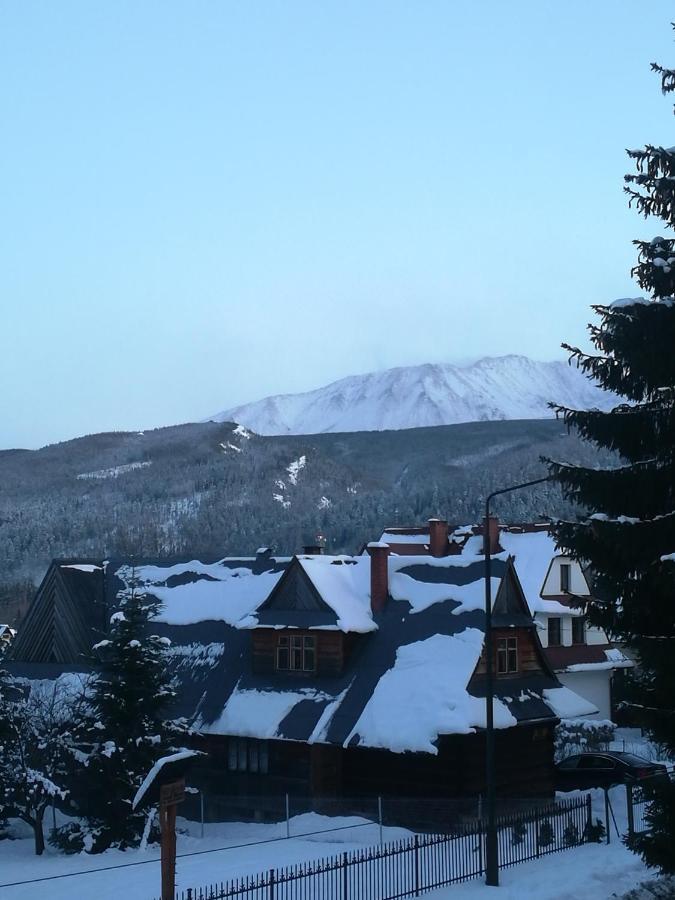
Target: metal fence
(410, 867)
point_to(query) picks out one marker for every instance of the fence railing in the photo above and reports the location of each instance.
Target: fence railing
(410, 867)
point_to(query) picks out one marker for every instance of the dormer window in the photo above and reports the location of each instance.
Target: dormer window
(296, 653)
(507, 655)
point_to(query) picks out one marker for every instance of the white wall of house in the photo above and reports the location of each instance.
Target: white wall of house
(594, 686)
(552, 585)
(593, 635)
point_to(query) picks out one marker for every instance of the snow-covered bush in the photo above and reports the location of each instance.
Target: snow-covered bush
(579, 735)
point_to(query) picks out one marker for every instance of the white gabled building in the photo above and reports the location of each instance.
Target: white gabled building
(581, 654)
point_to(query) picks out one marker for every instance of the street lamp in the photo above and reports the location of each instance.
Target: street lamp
(491, 847)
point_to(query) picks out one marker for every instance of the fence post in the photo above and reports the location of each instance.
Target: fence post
(271, 885)
(589, 818)
(345, 892)
(189, 894)
(629, 809)
(417, 865)
(288, 817)
(201, 812)
(607, 813)
(481, 835)
(536, 834)
(379, 816)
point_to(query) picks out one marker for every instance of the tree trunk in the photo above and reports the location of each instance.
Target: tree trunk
(39, 833)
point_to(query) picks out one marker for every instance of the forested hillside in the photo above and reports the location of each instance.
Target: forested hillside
(216, 489)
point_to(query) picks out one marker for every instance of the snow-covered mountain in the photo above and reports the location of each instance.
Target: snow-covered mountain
(505, 387)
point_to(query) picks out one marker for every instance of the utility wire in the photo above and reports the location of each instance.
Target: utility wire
(144, 862)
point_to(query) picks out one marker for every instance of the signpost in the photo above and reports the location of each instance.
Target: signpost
(170, 795)
(165, 785)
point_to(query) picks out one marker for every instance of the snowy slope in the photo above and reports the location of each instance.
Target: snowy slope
(506, 387)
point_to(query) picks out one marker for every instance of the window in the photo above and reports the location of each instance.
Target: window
(247, 755)
(297, 653)
(507, 655)
(553, 631)
(564, 577)
(578, 630)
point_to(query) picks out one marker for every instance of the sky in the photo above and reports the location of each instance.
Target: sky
(203, 203)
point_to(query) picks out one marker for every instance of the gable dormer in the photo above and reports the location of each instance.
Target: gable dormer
(298, 633)
(517, 649)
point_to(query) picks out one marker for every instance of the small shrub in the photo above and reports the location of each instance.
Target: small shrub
(579, 735)
(518, 832)
(546, 836)
(594, 833)
(570, 834)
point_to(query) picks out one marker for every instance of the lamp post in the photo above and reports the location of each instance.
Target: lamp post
(491, 848)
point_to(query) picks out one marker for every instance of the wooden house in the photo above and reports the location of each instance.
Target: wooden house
(332, 676)
(554, 586)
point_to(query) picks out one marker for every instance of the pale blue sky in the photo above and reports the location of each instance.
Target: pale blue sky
(207, 202)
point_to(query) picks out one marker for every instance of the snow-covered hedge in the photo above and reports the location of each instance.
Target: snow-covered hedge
(579, 735)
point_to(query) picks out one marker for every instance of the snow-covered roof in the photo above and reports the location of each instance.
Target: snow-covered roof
(410, 672)
(344, 584)
(190, 592)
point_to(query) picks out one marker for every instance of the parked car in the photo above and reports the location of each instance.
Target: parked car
(603, 769)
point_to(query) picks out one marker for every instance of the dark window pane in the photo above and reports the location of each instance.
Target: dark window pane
(501, 656)
(241, 753)
(553, 632)
(296, 658)
(282, 658)
(564, 577)
(264, 758)
(232, 755)
(578, 630)
(253, 756)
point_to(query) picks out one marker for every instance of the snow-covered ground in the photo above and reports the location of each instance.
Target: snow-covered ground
(581, 872)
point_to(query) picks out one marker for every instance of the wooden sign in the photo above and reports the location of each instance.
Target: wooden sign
(172, 793)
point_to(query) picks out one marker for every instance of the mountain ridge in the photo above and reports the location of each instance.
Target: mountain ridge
(431, 394)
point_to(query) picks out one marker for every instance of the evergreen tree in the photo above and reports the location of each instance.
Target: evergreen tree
(629, 539)
(128, 729)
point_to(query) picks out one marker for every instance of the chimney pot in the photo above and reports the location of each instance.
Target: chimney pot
(438, 537)
(379, 575)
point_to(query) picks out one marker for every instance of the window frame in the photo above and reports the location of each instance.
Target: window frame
(507, 655)
(247, 755)
(298, 651)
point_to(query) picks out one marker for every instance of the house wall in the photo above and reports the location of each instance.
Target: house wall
(331, 650)
(594, 635)
(593, 686)
(524, 762)
(578, 583)
(528, 658)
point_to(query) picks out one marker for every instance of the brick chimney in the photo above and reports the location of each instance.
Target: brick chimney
(438, 537)
(493, 534)
(379, 575)
(312, 550)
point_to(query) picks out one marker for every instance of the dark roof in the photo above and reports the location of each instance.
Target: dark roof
(578, 654)
(425, 644)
